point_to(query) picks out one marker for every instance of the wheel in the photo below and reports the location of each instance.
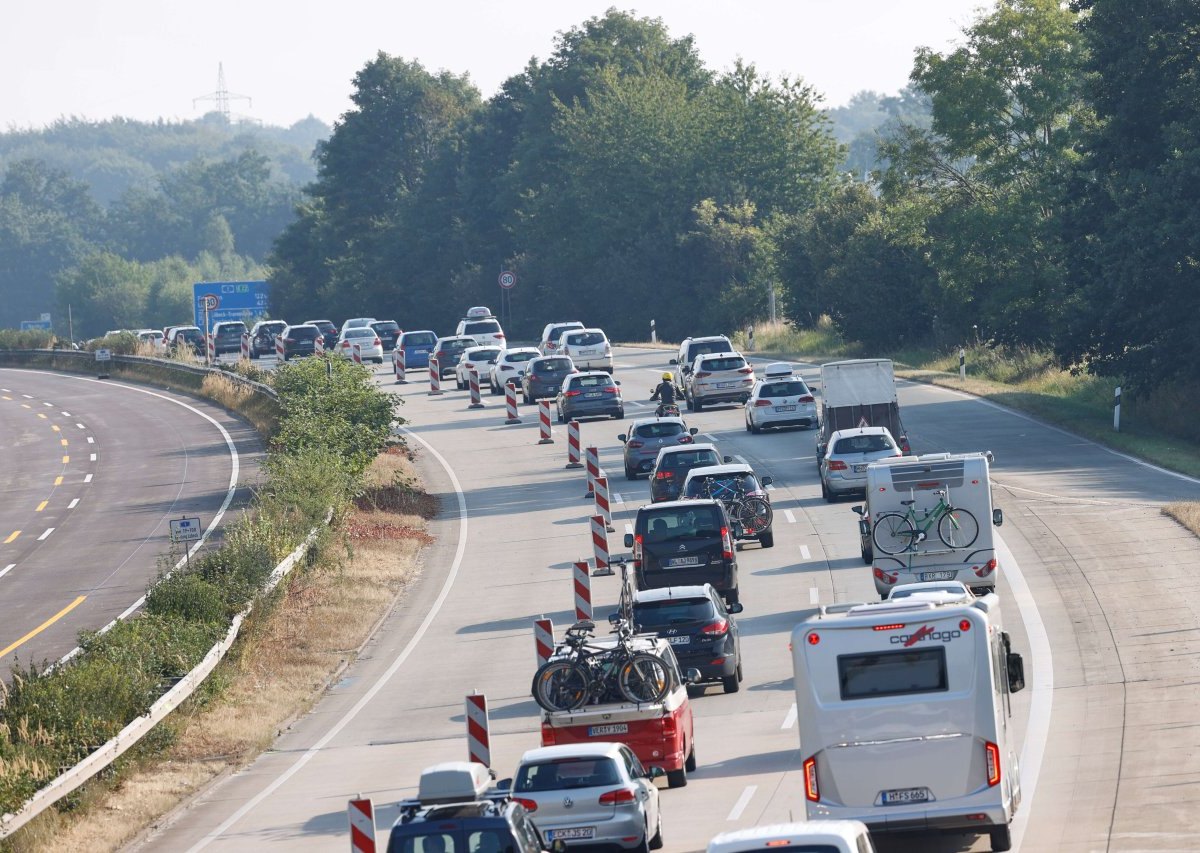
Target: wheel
(867, 555)
(253, 353)
(562, 419)
(643, 846)
(697, 405)
(379, 360)
(748, 427)
(958, 528)
(754, 515)
(893, 533)
(458, 382)
(525, 397)
(754, 428)
(644, 678)
(620, 416)
(730, 683)
(656, 841)
(687, 401)
(767, 540)
(690, 764)
(825, 493)
(630, 475)
(677, 778)
(1001, 839)
(560, 685)
(496, 392)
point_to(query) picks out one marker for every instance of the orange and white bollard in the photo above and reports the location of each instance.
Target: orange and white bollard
(398, 364)
(362, 826)
(510, 404)
(603, 508)
(435, 377)
(545, 430)
(476, 397)
(245, 346)
(600, 542)
(543, 639)
(573, 445)
(583, 591)
(479, 748)
(593, 470)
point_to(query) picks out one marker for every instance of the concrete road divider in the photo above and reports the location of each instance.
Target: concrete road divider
(510, 404)
(245, 356)
(476, 398)
(362, 826)
(593, 470)
(600, 543)
(398, 365)
(603, 508)
(479, 746)
(573, 445)
(544, 428)
(582, 578)
(435, 377)
(543, 639)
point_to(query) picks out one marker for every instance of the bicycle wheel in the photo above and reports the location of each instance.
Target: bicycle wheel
(644, 678)
(958, 528)
(893, 533)
(560, 685)
(754, 515)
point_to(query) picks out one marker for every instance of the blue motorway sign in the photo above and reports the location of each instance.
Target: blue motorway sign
(35, 324)
(229, 300)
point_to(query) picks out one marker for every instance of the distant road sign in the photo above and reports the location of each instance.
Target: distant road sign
(185, 529)
(103, 355)
(236, 300)
(35, 324)
(507, 280)
(45, 317)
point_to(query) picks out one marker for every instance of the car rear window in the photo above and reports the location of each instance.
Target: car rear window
(791, 388)
(386, 326)
(556, 331)
(585, 339)
(690, 459)
(484, 327)
(514, 357)
(863, 444)
(682, 522)
(666, 430)
(231, 329)
(567, 773)
(487, 355)
(552, 365)
(900, 673)
(417, 339)
(672, 611)
(305, 333)
(360, 332)
(455, 346)
(733, 362)
(706, 347)
(722, 487)
(273, 328)
(591, 382)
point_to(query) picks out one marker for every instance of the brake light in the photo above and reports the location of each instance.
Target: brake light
(533, 377)
(881, 575)
(896, 626)
(761, 402)
(621, 795)
(993, 763)
(714, 629)
(807, 398)
(664, 475)
(439, 354)
(837, 465)
(726, 544)
(530, 805)
(986, 569)
(637, 548)
(634, 443)
(702, 374)
(811, 791)
(378, 343)
(612, 389)
(746, 369)
(547, 734)
(813, 638)
(669, 727)
(964, 625)
(572, 393)
(685, 439)
(499, 335)
(551, 345)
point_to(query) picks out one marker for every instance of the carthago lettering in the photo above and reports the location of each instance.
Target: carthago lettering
(926, 633)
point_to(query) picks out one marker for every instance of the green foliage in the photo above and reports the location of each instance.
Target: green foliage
(26, 338)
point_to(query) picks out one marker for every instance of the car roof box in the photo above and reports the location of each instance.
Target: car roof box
(453, 782)
(778, 368)
(479, 312)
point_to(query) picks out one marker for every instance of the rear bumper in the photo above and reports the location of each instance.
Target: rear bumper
(946, 819)
(609, 831)
(586, 411)
(703, 662)
(802, 419)
(723, 578)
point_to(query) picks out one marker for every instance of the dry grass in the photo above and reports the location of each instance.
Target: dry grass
(281, 666)
(1186, 513)
(237, 397)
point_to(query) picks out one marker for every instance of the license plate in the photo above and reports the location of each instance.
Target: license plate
(938, 576)
(785, 408)
(726, 384)
(905, 795)
(684, 561)
(592, 394)
(574, 832)
(612, 729)
(679, 641)
(859, 469)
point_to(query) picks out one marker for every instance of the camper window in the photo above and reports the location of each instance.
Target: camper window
(879, 674)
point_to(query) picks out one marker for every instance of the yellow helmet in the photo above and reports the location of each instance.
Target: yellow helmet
(667, 376)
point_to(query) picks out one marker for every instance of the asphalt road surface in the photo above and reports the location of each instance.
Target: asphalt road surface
(1095, 594)
(91, 472)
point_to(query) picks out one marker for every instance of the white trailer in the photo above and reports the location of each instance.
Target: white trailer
(932, 545)
(859, 392)
(903, 710)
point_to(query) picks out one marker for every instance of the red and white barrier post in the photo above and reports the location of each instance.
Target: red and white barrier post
(435, 377)
(476, 397)
(603, 508)
(510, 404)
(362, 826)
(600, 542)
(210, 345)
(356, 353)
(479, 748)
(279, 347)
(398, 364)
(319, 344)
(546, 431)
(593, 470)
(573, 445)
(245, 346)
(543, 639)
(583, 591)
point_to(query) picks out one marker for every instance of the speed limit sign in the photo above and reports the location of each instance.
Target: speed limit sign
(211, 301)
(507, 280)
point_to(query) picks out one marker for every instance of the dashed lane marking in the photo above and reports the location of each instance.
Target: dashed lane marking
(790, 719)
(91, 440)
(787, 513)
(88, 478)
(41, 506)
(814, 595)
(805, 553)
(12, 536)
(743, 801)
(58, 480)
(42, 538)
(93, 457)
(7, 569)
(74, 502)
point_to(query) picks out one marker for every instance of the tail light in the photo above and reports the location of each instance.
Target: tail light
(530, 805)
(904, 444)
(811, 791)
(716, 629)
(621, 795)
(533, 377)
(499, 335)
(993, 763)
(607, 349)
(669, 728)
(837, 465)
(685, 439)
(702, 374)
(807, 398)
(439, 355)
(612, 389)
(378, 343)
(986, 569)
(746, 369)
(547, 734)
(761, 402)
(886, 577)
(726, 544)
(551, 345)
(637, 548)
(634, 443)
(664, 475)
(572, 393)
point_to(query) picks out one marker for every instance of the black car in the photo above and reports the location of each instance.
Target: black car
(672, 466)
(684, 542)
(591, 394)
(449, 350)
(544, 377)
(328, 330)
(227, 336)
(389, 332)
(299, 341)
(699, 627)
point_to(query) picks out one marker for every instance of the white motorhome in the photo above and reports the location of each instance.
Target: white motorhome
(903, 709)
(918, 541)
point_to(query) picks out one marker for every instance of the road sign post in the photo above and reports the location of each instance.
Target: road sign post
(103, 360)
(185, 530)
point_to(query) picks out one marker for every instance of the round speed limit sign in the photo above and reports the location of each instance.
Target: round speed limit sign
(211, 302)
(507, 280)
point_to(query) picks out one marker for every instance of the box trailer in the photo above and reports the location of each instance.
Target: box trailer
(856, 393)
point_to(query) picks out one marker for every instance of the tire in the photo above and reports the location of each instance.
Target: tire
(958, 528)
(757, 430)
(893, 533)
(868, 556)
(253, 353)
(690, 764)
(730, 683)
(829, 496)
(620, 416)
(644, 678)
(687, 401)
(496, 392)
(630, 475)
(643, 846)
(767, 540)
(560, 685)
(525, 397)
(755, 516)
(677, 778)
(697, 405)
(656, 841)
(562, 419)
(1001, 838)
(748, 427)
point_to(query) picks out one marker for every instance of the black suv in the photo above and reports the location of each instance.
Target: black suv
(684, 542)
(672, 466)
(699, 627)
(389, 332)
(299, 340)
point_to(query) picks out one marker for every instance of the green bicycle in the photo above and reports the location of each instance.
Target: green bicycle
(897, 532)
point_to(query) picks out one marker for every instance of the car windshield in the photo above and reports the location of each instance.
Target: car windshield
(513, 357)
(787, 388)
(484, 327)
(601, 381)
(663, 430)
(672, 611)
(863, 444)
(723, 487)
(733, 362)
(683, 522)
(690, 459)
(417, 339)
(566, 773)
(552, 365)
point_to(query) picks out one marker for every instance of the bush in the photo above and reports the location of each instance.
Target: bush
(122, 343)
(187, 596)
(26, 339)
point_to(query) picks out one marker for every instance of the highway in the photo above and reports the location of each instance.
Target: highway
(91, 472)
(1094, 597)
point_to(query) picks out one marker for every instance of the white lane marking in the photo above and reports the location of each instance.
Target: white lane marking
(805, 553)
(743, 801)
(814, 595)
(66, 414)
(787, 513)
(6, 390)
(366, 698)
(27, 396)
(620, 499)
(94, 459)
(790, 719)
(88, 478)
(91, 440)
(1037, 730)
(73, 503)
(7, 569)
(48, 404)
(81, 426)
(49, 530)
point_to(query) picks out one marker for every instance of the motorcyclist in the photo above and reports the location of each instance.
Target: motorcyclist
(666, 392)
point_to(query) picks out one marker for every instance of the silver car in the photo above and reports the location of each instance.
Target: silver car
(721, 378)
(646, 437)
(590, 794)
(844, 465)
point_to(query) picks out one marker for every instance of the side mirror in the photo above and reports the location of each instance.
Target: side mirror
(997, 517)
(857, 509)
(1016, 672)
(736, 607)
(614, 618)
(622, 438)
(504, 785)
(616, 382)
(766, 481)
(728, 460)
(674, 361)
(693, 430)
(628, 540)
(693, 676)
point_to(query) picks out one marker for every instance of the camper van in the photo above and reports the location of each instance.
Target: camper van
(903, 709)
(906, 533)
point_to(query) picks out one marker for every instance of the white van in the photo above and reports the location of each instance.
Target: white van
(903, 710)
(906, 537)
(826, 836)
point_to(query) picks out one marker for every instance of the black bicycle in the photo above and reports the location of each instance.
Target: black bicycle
(751, 515)
(582, 673)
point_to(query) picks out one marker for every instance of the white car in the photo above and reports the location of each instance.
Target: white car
(510, 367)
(589, 349)
(369, 346)
(942, 591)
(780, 400)
(481, 326)
(827, 836)
(153, 337)
(554, 331)
(721, 378)
(478, 359)
(590, 794)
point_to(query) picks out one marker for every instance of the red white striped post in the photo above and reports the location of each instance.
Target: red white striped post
(583, 591)
(362, 826)
(476, 398)
(319, 344)
(435, 377)
(510, 404)
(355, 353)
(398, 364)
(211, 347)
(245, 346)
(543, 639)
(546, 431)
(593, 470)
(279, 347)
(573, 445)
(479, 748)
(600, 542)
(603, 508)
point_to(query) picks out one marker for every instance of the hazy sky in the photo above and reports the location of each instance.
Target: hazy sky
(147, 59)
